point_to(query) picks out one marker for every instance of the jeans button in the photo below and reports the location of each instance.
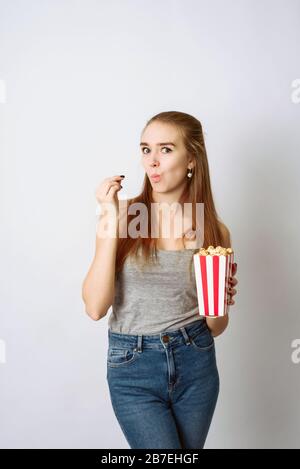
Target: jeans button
(166, 338)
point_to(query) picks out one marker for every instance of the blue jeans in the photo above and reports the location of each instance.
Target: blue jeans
(164, 387)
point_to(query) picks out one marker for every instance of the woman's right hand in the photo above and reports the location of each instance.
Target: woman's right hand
(107, 190)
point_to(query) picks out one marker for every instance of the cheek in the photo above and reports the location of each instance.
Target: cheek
(175, 171)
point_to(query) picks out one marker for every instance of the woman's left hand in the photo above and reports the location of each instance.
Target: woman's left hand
(232, 283)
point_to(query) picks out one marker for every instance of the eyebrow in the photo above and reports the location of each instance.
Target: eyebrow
(165, 143)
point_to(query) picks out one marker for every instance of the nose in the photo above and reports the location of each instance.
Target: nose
(154, 162)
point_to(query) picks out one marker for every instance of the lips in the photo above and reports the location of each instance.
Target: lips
(155, 177)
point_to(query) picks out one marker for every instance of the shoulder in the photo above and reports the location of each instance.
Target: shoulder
(225, 235)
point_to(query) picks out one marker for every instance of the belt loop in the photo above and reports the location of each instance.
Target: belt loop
(185, 335)
(139, 343)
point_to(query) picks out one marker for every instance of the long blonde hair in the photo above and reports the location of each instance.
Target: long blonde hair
(198, 189)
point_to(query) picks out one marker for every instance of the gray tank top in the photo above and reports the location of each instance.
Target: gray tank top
(160, 297)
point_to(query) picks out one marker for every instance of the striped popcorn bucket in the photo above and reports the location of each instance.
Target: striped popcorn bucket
(212, 273)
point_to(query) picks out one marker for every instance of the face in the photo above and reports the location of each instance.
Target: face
(163, 153)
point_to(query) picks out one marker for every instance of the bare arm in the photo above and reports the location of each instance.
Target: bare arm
(218, 325)
(99, 284)
(98, 287)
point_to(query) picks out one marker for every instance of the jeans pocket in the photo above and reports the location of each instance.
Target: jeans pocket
(203, 340)
(121, 356)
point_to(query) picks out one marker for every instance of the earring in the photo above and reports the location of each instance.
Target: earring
(190, 173)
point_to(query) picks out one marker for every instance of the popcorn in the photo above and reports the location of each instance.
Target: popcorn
(212, 251)
(213, 267)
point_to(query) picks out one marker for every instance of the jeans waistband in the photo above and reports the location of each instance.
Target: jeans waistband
(162, 339)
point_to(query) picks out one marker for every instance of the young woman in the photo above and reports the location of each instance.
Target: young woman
(161, 362)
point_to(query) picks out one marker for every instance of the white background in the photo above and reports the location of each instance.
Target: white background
(81, 78)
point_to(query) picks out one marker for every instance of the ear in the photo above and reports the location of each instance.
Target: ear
(191, 159)
(193, 164)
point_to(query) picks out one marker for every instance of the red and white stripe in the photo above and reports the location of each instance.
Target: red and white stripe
(212, 274)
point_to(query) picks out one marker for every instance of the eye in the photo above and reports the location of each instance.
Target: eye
(146, 148)
(169, 149)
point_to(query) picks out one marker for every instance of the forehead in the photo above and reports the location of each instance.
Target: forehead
(157, 132)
